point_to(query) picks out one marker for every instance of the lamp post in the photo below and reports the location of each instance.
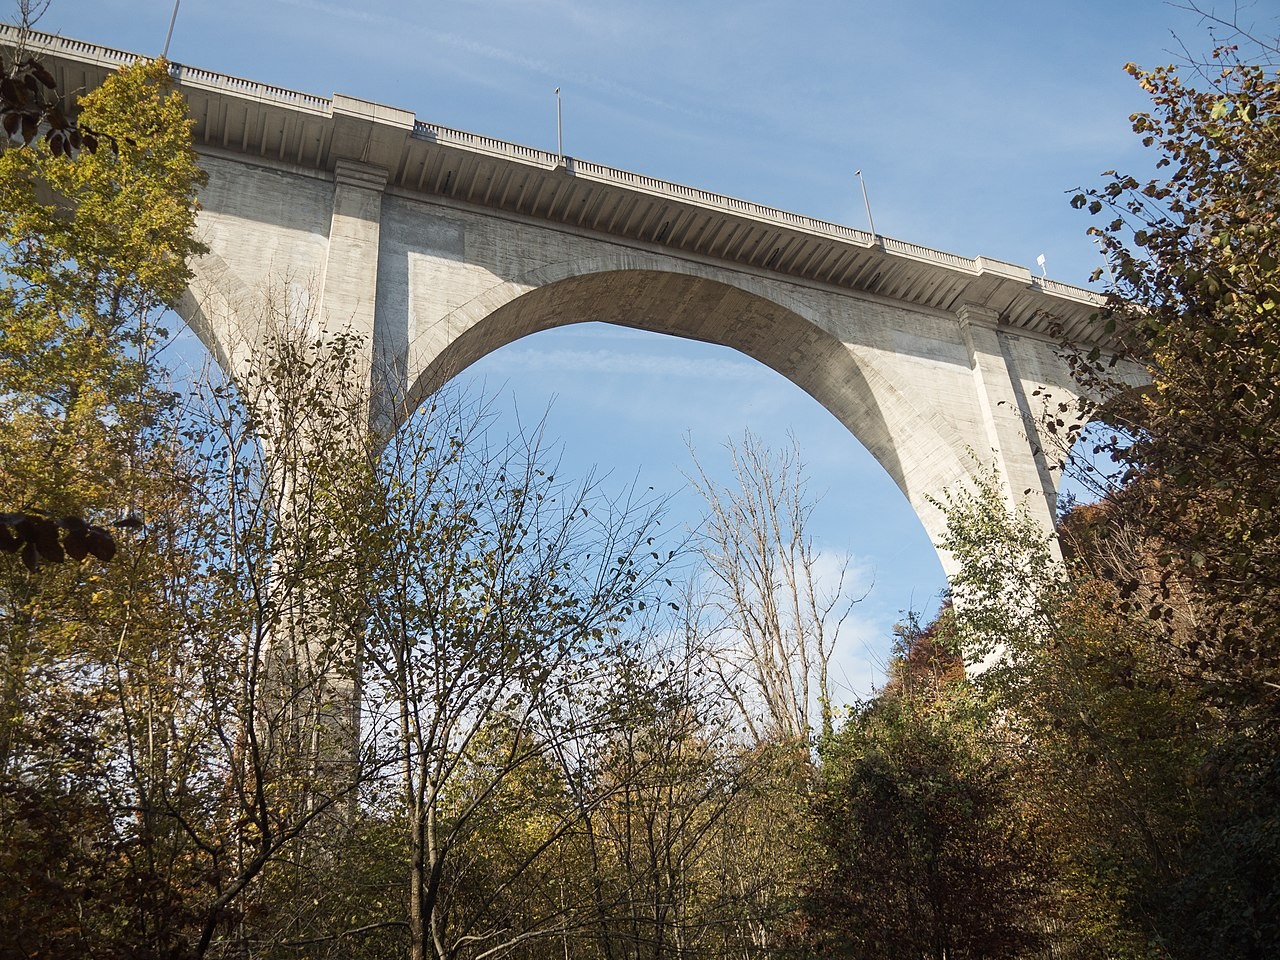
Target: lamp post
(866, 202)
(559, 127)
(169, 36)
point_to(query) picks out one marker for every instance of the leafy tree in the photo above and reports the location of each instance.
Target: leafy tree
(929, 850)
(694, 841)
(1183, 557)
(274, 632)
(495, 611)
(30, 103)
(92, 248)
(1157, 840)
(1196, 300)
(1148, 683)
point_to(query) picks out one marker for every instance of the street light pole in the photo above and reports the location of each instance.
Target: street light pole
(169, 36)
(559, 127)
(866, 202)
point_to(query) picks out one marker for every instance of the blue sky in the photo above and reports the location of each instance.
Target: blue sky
(970, 122)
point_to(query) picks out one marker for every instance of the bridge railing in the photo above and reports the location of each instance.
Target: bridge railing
(929, 255)
(708, 199)
(1068, 291)
(259, 91)
(598, 171)
(195, 76)
(476, 141)
(547, 160)
(9, 33)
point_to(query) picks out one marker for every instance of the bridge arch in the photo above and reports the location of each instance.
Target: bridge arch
(234, 320)
(679, 299)
(209, 307)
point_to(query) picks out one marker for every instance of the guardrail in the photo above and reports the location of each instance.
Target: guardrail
(52, 44)
(929, 255)
(477, 141)
(259, 91)
(597, 171)
(1068, 291)
(708, 199)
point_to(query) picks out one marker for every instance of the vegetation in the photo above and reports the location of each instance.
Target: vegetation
(928, 849)
(1145, 682)
(323, 693)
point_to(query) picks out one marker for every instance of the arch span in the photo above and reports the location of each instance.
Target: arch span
(235, 321)
(931, 368)
(209, 307)
(914, 448)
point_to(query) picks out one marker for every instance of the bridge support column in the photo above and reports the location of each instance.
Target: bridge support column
(315, 656)
(348, 288)
(317, 480)
(1018, 460)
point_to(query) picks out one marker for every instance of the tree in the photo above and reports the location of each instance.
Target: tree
(30, 104)
(164, 713)
(1196, 300)
(1150, 808)
(693, 841)
(928, 849)
(496, 609)
(285, 492)
(780, 621)
(93, 249)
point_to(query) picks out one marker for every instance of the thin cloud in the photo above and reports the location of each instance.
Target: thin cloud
(568, 79)
(631, 364)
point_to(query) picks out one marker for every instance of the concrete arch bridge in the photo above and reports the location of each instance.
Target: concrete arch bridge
(435, 247)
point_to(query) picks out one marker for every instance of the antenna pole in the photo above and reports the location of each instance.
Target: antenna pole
(559, 127)
(866, 202)
(169, 36)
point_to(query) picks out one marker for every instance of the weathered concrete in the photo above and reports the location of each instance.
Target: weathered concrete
(438, 247)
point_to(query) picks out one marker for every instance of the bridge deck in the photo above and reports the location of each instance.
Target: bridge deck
(280, 126)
